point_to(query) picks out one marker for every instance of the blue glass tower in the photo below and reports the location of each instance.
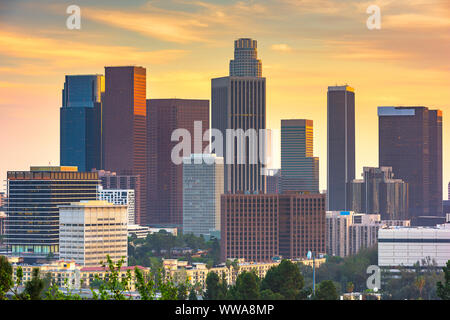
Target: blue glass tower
(80, 122)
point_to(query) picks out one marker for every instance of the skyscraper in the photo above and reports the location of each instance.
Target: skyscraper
(165, 178)
(80, 122)
(410, 141)
(299, 168)
(246, 62)
(124, 126)
(33, 199)
(379, 193)
(202, 187)
(238, 102)
(340, 145)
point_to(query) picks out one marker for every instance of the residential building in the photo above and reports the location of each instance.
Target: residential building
(89, 231)
(80, 122)
(407, 246)
(258, 227)
(125, 126)
(299, 168)
(78, 277)
(238, 111)
(379, 193)
(340, 146)
(410, 141)
(198, 272)
(202, 187)
(32, 228)
(165, 177)
(125, 197)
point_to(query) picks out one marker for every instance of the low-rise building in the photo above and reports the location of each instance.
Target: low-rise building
(406, 246)
(196, 273)
(71, 275)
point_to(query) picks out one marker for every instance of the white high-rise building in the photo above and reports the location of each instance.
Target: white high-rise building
(120, 197)
(91, 230)
(202, 187)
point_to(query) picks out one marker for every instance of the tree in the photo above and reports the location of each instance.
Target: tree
(192, 295)
(327, 291)
(246, 287)
(269, 295)
(34, 287)
(182, 292)
(6, 279)
(112, 287)
(420, 283)
(443, 289)
(350, 287)
(212, 286)
(286, 280)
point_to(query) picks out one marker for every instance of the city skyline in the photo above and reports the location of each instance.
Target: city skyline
(298, 69)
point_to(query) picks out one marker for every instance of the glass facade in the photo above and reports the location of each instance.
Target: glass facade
(299, 168)
(80, 122)
(410, 141)
(202, 187)
(340, 146)
(33, 214)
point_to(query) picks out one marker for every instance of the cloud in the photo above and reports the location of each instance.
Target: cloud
(281, 47)
(54, 55)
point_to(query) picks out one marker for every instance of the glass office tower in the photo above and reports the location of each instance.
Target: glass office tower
(32, 228)
(299, 168)
(340, 146)
(80, 122)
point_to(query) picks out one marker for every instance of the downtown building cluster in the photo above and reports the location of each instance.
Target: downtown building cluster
(117, 168)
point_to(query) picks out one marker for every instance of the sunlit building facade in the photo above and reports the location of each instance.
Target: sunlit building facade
(299, 168)
(124, 127)
(89, 231)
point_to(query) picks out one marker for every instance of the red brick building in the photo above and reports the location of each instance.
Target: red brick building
(258, 227)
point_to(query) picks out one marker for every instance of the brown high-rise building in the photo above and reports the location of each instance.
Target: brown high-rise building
(410, 141)
(124, 126)
(165, 178)
(258, 227)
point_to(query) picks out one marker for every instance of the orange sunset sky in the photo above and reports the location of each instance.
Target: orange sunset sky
(305, 46)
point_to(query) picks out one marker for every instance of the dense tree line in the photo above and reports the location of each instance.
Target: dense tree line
(282, 282)
(149, 252)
